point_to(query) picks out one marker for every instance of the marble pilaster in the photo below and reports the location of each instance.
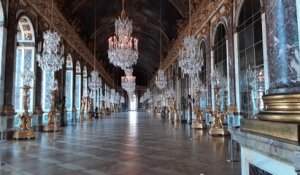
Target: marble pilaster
(282, 39)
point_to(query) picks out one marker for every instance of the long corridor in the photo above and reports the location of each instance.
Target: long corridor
(131, 143)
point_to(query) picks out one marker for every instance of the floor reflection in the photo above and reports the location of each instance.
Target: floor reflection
(124, 143)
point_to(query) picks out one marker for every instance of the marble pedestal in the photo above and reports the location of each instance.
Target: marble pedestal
(269, 154)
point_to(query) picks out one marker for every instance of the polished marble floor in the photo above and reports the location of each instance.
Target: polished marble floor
(131, 143)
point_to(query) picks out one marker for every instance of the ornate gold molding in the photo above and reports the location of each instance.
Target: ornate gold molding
(61, 25)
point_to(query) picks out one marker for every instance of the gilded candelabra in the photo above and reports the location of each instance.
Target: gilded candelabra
(198, 122)
(218, 117)
(52, 125)
(25, 130)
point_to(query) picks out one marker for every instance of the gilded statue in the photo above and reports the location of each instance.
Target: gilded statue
(217, 121)
(198, 123)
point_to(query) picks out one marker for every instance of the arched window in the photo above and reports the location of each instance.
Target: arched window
(220, 58)
(250, 48)
(78, 86)
(69, 83)
(202, 74)
(24, 61)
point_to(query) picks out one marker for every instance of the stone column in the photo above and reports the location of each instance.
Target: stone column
(282, 39)
(281, 114)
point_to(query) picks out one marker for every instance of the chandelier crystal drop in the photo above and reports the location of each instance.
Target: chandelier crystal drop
(123, 48)
(161, 81)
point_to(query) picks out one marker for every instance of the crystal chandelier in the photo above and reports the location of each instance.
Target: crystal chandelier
(122, 100)
(122, 48)
(191, 57)
(49, 59)
(147, 94)
(94, 80)
(112, 95)
(160, 80)
(128, 81)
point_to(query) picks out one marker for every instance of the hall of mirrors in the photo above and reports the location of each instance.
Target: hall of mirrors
(221, 78)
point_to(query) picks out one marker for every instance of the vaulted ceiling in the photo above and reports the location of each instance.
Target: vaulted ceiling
(146, 27)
